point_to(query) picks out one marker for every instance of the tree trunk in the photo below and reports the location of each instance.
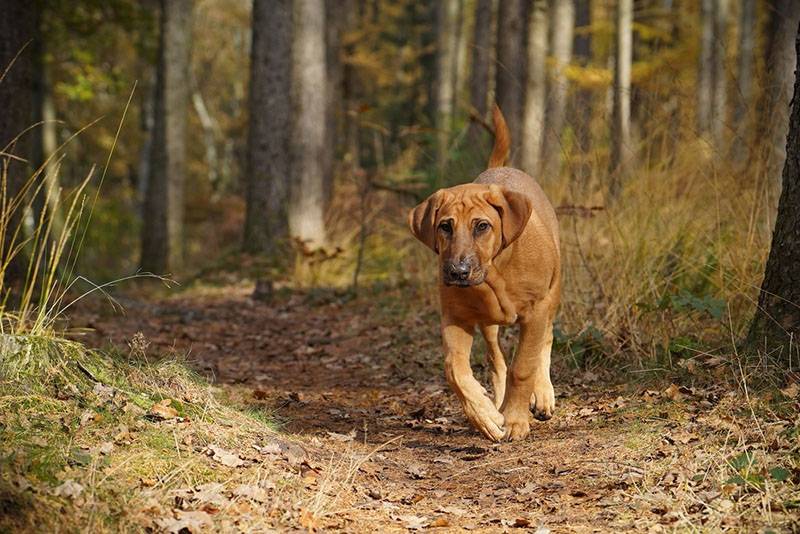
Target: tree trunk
(784, 17)
(776, 325)
(210, 135)
(162, 237)
(336, 23)
(747, 44)
(479, 73)
(582, 108)
(534, 110)
(510, 75)
(621, 152)
(268, 141)
(481, 57)
(446, 73)
(309, 83)
(17, 29)
(719, 114)
(44, 142)
(563, 20)
(705, 86)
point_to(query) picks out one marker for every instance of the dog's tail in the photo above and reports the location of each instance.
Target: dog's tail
(502, 139)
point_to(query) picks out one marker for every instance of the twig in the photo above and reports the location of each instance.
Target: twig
(475, 116)
(88, 372)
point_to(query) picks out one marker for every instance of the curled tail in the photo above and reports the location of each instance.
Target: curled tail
(502, 139)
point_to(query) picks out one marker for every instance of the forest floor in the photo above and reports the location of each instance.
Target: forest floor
(379, 443)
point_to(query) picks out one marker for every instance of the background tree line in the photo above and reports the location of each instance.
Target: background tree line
(307, 125)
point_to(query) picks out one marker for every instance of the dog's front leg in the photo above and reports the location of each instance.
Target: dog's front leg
(478, 408)
(529, 378)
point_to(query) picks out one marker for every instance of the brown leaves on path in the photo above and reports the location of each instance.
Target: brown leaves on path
(385, 446)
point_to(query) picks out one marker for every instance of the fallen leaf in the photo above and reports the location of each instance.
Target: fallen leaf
(439, 522)
(791, 390)
(209, 493)
(254, 493)
(103, 392)
(220, 455)
(411, 522)
(163, 410)
(416, 471)
(343, 438)
(452, 510)
(191, 521)
(673, 392)
(104, 448)
(69, 489)
(89, 416)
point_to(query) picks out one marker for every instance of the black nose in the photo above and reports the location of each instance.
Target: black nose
(458, 271)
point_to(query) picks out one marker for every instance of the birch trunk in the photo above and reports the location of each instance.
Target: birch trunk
(620, 134)
(563, 20)
(535, 90)
(308, 139)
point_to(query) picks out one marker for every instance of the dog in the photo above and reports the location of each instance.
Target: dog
(500, 263)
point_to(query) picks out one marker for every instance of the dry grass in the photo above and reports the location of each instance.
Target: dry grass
(82, 448)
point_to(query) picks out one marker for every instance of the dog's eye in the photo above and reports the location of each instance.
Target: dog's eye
(446, 227)
(482, 226)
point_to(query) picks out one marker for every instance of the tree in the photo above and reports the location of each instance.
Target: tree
(747, 43)
(563, 21)
(776, 325)
(309, 84)
(510, 73)
(481, 57)
(268, 147)
(711, 74)
(581, 109)
(162, 237)
(17, 29)
(44, 139)
(446, 74)
(535, 90)
(337, 17)
(481, 47)
(705, 79)
(720, 98)
(784, 16)
(620, 125)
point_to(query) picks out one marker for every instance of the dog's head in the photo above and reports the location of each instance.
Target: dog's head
(467, 226)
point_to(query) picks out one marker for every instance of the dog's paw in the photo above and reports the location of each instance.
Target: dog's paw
(482, 414)
(543, 401)
(518, 425)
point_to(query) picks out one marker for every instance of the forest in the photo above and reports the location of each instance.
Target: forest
(214, 316)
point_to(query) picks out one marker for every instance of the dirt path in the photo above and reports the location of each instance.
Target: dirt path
(363, 380)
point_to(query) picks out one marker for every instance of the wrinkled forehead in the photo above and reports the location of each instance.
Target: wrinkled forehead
(466, 202)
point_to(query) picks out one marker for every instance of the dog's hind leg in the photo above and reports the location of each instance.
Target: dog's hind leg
(498, 374)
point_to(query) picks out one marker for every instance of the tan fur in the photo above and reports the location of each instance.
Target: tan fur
(516, 277)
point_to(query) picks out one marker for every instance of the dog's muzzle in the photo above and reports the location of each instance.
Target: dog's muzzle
(461, 273)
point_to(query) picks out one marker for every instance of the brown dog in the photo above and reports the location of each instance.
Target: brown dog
(497, 241)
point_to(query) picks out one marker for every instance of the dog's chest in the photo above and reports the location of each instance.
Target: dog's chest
(477, 304)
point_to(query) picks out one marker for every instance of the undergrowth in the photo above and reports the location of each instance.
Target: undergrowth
(88, 432)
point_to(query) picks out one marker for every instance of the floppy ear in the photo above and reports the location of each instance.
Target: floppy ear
(423, 218)
(514, 208)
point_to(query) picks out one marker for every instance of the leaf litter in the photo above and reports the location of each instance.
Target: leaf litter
(377, 441)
